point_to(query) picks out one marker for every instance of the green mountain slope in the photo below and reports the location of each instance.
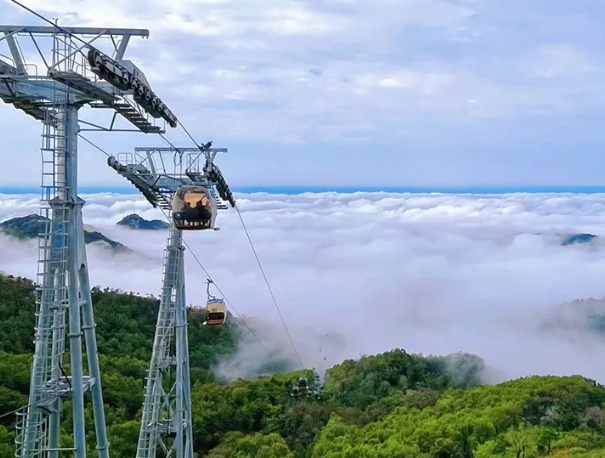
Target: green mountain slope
(390, 405)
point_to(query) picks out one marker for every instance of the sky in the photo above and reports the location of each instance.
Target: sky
(363, 273)
(351, 92)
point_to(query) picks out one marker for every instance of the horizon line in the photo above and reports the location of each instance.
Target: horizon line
(348, 189)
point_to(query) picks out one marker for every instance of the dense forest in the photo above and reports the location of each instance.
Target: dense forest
(393, 405)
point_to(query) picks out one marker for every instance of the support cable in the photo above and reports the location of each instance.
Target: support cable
(260, 266)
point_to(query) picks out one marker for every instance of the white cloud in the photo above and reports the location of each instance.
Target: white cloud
(203, 18)
(429, 273)
(263, 52)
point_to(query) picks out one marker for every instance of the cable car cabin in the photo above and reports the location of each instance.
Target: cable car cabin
(216, 312)
(302, 383)
(193, 208)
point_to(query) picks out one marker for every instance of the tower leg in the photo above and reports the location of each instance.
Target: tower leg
(41, 372)
(42, 419)
(58, 348)
(90, 337)
(75, 341)
(183, 375)
(168, 415)
(64, 288)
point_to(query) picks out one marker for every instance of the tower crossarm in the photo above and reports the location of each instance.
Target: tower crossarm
(95, 31)
(158, 172)
(80, 71)
(157, 189)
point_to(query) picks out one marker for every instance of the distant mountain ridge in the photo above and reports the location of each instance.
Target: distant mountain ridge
(30, 226)
(134, 221)
(574, 239)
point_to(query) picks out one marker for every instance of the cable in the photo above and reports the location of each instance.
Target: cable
(188, 134)
(177, 152)
(168, 142)
(268, 285)
(94, 145)
(64, 374)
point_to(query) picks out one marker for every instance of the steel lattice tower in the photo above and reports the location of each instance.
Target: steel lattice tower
(166, 421)
(64, 305)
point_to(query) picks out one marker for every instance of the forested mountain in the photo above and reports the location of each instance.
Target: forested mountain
(134, 221)
(393, 405)
(30, 226)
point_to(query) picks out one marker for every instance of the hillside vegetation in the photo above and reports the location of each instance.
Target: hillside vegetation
(393, 405)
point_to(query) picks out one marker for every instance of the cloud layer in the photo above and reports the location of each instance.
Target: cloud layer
(362, 273)
(472, 91)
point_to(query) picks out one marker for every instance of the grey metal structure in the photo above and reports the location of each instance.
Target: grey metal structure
(158, 173)
(55, 99)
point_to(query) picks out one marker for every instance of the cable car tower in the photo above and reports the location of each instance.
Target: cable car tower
(172, 180)
(73, 78)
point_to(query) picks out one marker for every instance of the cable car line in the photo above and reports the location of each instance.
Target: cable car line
(187, 132)
(262, 270)
(39, 16)
(176, 151)
(226, 191)
(197, 260)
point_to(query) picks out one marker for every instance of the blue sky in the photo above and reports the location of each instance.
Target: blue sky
(348, 92)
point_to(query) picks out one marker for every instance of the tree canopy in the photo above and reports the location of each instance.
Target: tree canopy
(390, 405)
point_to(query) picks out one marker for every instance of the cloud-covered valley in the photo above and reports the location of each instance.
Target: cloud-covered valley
(365, 272)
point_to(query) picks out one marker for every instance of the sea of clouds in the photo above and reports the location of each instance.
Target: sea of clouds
(367, 272)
